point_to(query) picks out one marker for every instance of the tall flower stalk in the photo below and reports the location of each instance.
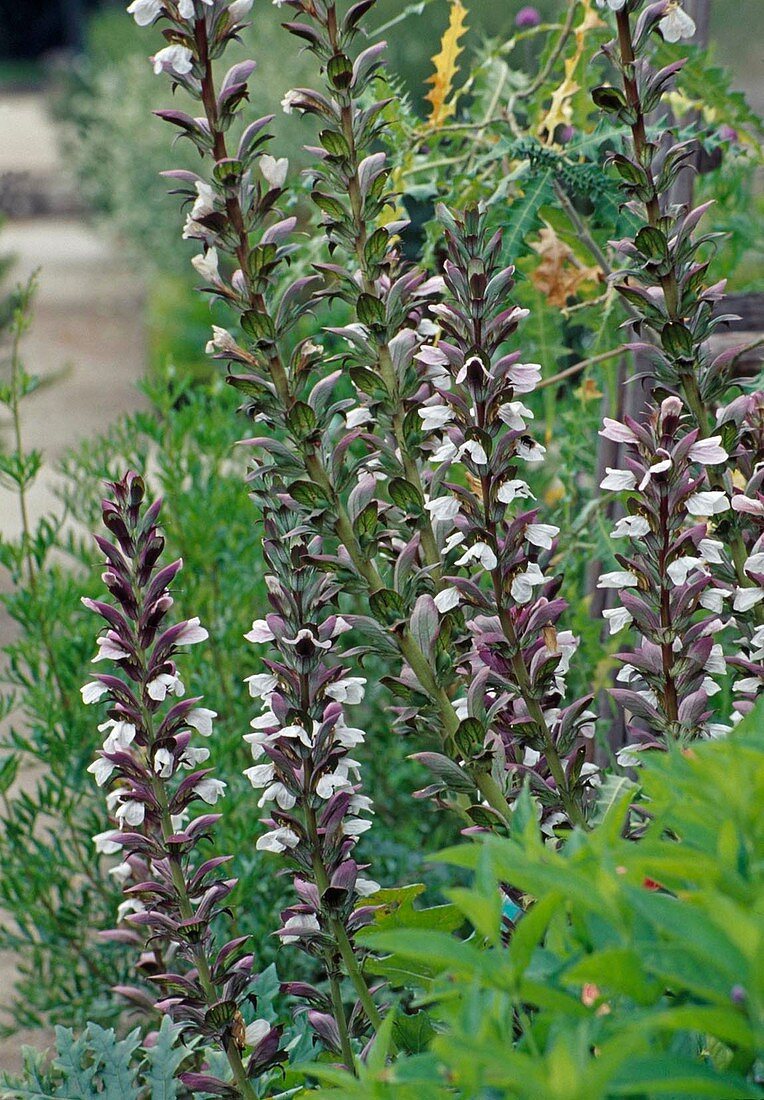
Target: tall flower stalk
(496, 553)
(169, 890)
(666, 281)
(665, 584)
(316, 466)
(310, 781)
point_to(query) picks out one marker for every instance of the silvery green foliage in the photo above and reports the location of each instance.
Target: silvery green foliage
(96, 1063)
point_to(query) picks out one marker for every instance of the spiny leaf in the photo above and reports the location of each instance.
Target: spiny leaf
(560, 111)
(446, 68)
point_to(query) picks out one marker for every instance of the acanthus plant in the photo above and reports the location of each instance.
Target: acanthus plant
(665, 584)
(170, 891)
(310, 781)
(665, 282)
(678, 310)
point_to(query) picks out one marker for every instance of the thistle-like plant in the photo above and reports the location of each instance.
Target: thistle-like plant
(169, 890)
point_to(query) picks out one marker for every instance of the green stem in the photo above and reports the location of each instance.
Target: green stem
(354, 973)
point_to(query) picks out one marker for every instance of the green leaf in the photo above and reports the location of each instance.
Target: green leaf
(164, 1059)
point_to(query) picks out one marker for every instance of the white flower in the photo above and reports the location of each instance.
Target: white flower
(305, 634)
(298, 732)
(237, 10)
(617, 432)
(742, 503)
(713, 599)
(435, 417)
(192, 757)
(630, 756)
(633, 527)
(163, 763)
(617, 579)
(524, 583)
(206, 265)
(210, 790)
(93, 691)
(260, 775)
(709, 503)
(447, 599)
(130, 905)
(755, 563)
(680, 569)
(303, 924)
(711, 550)
(481, 552)
(445, 452)
(200, 719)
(349, 690)
(474, 450)
(443, 508)
(274, 171)
(462, 375)
(676, 24)
(121, 872)
(524, 377)
(530, 451)
(222, 340)
(261, 685)
(260, 632)
(614, 5)
(456, 539)
(514, 490)
(191, 633)
(145, 11)
(165, 684)
(105, 845)
(512, 413)
(541, 534)
(355, 417)
(277, 792)
(329, 784)
(656, 468)
(716, 663)
(101, 769)
(348, 737)
(618, 618)
(290, 100)
(746, 598)
(708, 452)
(355, 826)
(186, 9)
(177, 59)
(120, 736)
(130, 813)
(618, 479)
(255, 1032)
(365, 887)
(205, 200)
(278, 840)
(109, 650)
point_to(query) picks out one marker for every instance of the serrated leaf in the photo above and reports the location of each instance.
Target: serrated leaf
(164, 1059)
(445, 61)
